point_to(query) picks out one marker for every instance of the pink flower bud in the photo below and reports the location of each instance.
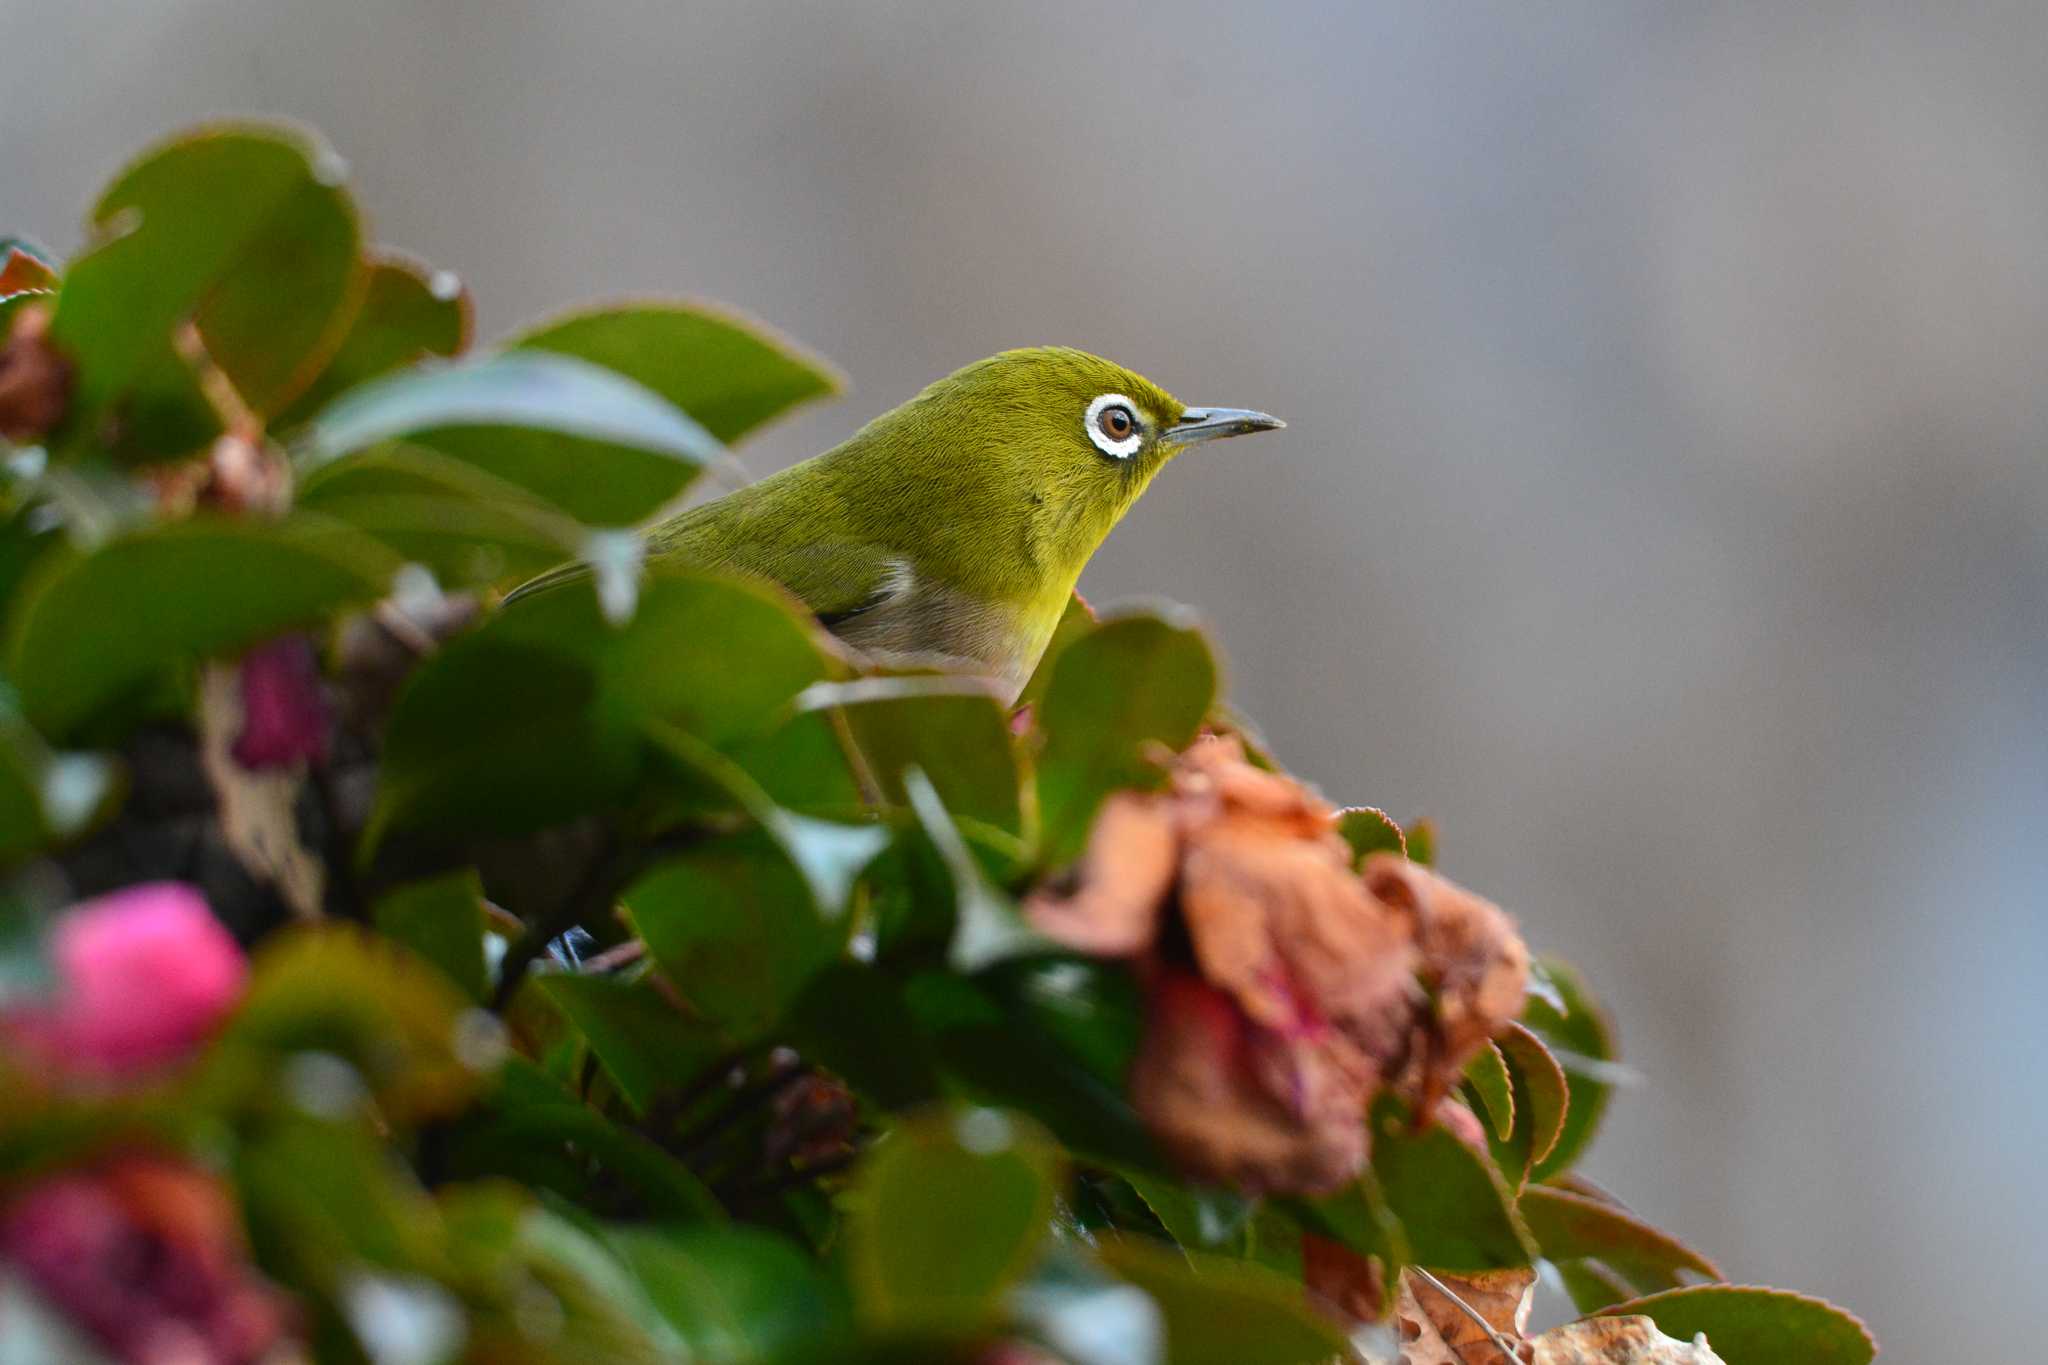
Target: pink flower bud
(144, 975)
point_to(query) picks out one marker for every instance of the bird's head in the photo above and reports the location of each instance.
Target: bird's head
(1069, 435)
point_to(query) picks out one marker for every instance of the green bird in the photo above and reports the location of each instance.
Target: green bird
(950, 531)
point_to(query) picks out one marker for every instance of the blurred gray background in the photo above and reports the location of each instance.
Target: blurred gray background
(1665, 506)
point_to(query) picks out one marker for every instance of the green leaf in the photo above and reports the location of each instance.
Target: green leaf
(1456, 1210)
(1573, 1226)
(731, 374)
(46, 796)
(1196, 1216)
(1542, 1101)
(1421, 835)
(468, 526)
(410, 1037)
(1086, 1316)
(733, 927)
(1132, 683)
(637, 1036)
(407, 313)
(949, 1212)
(853, 1020)
(1001, 1051)
(1487, 1076)
(1220, 1311)
(583, 438)
(541, 714)
(177, 591)
(951, 729)
(1357, 1218)
(987, 927)
(1582, 1030)
(442, 921)
(734, 1294)
(1592, 1286)
(535, 1132)
(1370, 830)
(1751, 1326)
(802, 765)
(1077, 620)
(240, 228)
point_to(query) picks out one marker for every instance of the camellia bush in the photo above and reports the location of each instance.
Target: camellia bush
(632, 976)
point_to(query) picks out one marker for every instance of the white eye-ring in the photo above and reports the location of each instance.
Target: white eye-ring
(1113, 425)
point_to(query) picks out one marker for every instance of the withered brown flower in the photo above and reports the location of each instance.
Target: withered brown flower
(1283, 988)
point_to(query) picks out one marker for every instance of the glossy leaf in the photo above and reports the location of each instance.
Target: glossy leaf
(1542, 1099)
(1207, 1217)
(734, 1294)
(1225, 1312)
(1087, 1316)
(441, 921)
(1487, 1081)
(240, 228)
(644, 1044)
(173, 592)
(534, 1131)
(951, 1210)
(572, 698)
(1133, 683)
(407, 314)
(951, 729)
(733, 927)
(583, 438)
(1592, 1286)
(1751, 1326)
(407, 1033)
(1453, 1206)
(1582, 1030)
(731, 374)
(1077, 620)
(1001, 1054)
(468, 526)
(1571, 1226)
(853, 1020)
(1370, 830)
(986, 926)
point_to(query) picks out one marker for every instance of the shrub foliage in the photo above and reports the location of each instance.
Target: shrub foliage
(631, 975)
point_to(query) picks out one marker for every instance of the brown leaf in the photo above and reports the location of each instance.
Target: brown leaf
(1435, 1330)
(1352, 1285)
(1619, 1341)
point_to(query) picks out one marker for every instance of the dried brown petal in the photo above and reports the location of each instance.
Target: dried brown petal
(1233, 1102)
(35, 378)
(1282, 924)
(1113, 907)
(1472, 957)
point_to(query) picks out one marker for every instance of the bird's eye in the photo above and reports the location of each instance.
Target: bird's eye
(1114, 427)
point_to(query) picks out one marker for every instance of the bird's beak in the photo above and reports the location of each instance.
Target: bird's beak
(1208, 424)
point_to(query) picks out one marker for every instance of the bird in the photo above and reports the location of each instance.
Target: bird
(950, 531)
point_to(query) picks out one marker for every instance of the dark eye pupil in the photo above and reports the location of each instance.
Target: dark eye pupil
(1116, 422)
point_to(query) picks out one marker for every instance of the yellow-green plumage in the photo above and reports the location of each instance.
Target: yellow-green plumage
(951, 530)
